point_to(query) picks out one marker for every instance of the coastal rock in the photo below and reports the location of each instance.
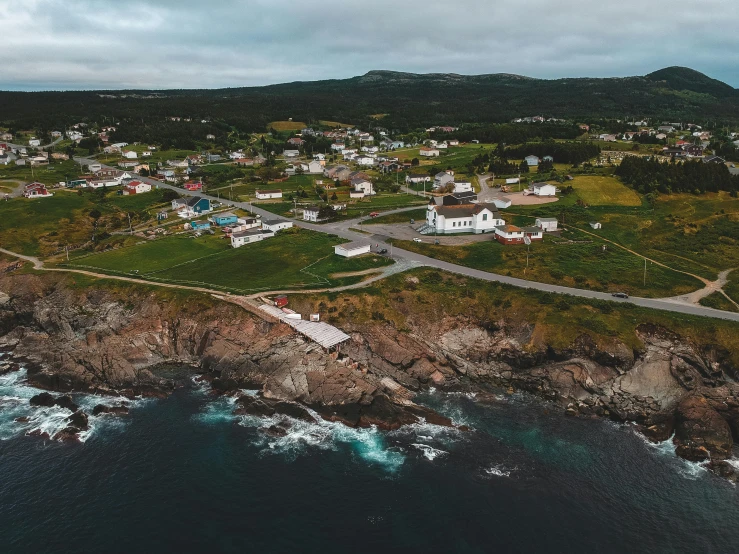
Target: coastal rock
(113, 410)
(66, 402)
(700, 431)
(42, 399)
(79, 420)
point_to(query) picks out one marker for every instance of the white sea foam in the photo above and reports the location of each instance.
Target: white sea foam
(429, 452)
(499, 470)
(369, 444)
(667, 448)
(15, 393)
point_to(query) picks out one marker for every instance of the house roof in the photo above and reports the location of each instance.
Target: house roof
(274, 221)
(249, 232)
(311, 209)
(356, 245)
(532, 230)
(226, 214)
(464, 210)
(194, 200)
(359, 181)
(271, 191)
(509, 229)
(418, 176)
(547, 219)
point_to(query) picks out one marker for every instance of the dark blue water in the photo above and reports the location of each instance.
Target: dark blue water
(182, 475)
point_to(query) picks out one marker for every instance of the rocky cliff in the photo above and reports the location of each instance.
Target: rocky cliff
(108, 339)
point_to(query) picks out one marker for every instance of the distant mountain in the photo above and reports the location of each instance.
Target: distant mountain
(405, 100)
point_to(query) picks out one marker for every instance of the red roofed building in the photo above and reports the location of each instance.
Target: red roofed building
(193, 185)
(136, 187)
(36, 190)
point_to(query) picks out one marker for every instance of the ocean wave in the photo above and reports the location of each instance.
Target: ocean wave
(499, 470)
(18, 417)
(668, 449)
(429, 452)
(292, 438)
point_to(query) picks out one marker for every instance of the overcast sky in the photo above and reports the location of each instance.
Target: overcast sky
(103, 44)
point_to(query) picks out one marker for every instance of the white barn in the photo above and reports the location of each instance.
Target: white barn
(544, 189)
(547, 224)
(268, 194)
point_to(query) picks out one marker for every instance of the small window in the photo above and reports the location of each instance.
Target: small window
(484, 217)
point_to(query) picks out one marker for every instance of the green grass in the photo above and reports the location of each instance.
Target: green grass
(598, 190)
(404, 217)
(55, 172)
(585, 265)
(718, 301)
(26, 223)
(297, 259)
(732, 287)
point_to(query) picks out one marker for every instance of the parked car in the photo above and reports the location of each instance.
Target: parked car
(383, 251)
(620, 295)
(374, 214)
(417, 240)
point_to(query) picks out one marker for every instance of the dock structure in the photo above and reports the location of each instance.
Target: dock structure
(321, 333)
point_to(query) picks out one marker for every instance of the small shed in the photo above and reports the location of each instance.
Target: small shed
(595, 225)
(224, 219)
(281, 301)
(544, 189)
(502, 202)
(199, 225)
(547, 224)
(532, 161)
(352, 249)
(276, 224)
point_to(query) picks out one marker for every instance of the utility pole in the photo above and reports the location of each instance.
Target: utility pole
(645, 272)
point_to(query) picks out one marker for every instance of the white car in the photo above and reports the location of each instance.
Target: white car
(417, 240)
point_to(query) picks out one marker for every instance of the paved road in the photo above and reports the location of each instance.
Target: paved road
(43, 146)
(342, 229)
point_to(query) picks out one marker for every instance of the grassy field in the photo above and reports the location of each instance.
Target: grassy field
(597, 190)
(286, 125)
(718, 301)
(298, 259)
(51, 174)
(335, 124)
(581, 265)
(27, 223)
(403, 217)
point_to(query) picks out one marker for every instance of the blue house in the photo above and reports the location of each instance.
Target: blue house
(199, 225)
(224, 219)
(198, 205)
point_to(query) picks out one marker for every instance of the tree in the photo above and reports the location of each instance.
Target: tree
(415, 162)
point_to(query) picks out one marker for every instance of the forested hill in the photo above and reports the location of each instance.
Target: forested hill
(406, 100)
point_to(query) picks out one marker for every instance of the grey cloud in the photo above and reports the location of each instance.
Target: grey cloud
(78, 44)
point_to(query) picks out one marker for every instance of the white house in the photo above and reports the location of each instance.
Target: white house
(275, 225)
(291, 153)
(268, 194)
(502, 202)
(146, 153)
(463, 218)
(315, 167)
(365, 161)
(356, 194)
(513, 181)
(429, 152)
(130, 155)
(136, 187)
(34, 142)
(363, 185)
(546, 224)
(416, 178)
(311, 213)
(352, 249)
(462, 186)
(442, 178)
(240, 238)
(338, 147)
(532, 161)
(544, 189)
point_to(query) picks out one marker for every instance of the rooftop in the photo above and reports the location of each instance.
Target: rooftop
(356, 245)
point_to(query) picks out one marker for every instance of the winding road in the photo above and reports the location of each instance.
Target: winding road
(343, 230)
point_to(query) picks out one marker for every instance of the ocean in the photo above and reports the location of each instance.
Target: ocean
(184, 475)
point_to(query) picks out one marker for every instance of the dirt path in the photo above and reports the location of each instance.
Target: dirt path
(695, 297)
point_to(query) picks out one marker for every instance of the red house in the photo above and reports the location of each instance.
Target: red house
(193, 185)
(36, 190)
